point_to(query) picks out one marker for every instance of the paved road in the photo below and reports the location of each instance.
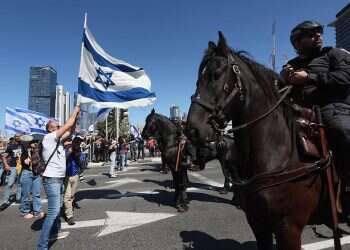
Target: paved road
(134, 211)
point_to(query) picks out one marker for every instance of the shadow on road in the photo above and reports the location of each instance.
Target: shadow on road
(200, 240)
(167, 198)
(169, 184)
(97, 194)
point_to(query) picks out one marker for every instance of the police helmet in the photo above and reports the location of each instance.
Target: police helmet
(303, 29)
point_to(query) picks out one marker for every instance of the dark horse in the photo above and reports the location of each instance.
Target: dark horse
(280, 191)
(167, 134)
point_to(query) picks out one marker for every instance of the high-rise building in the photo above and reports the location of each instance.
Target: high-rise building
(342, 28)
(59, 105)
(175, 113)
(42, 88)
(63, 105)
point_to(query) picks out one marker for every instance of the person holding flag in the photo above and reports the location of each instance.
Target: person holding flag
(53, 176)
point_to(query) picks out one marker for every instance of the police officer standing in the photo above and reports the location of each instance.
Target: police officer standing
(321, 76)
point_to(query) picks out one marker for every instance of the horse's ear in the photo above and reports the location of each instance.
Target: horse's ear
(211, 45)
(153, 111)
(222, 48)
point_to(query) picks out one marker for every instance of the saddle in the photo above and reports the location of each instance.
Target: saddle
(308, 137)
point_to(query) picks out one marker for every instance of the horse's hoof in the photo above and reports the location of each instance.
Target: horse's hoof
(182, 208)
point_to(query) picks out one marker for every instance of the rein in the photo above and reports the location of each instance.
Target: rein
(247, 124)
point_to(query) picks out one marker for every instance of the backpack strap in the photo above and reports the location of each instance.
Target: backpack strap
(53, 152)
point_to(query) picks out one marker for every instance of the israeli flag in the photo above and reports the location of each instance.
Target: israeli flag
(37, 121)
(135, 132)
(15, 123)
(102, 114)
(109, 82)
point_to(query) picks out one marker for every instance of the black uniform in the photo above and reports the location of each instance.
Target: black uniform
(329, 87)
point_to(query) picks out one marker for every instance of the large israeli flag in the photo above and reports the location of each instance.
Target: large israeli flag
(109, 82)
(37, 121)
(15, 123)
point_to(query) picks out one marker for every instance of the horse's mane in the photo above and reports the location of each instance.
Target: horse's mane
(165, 119)
(265, 77)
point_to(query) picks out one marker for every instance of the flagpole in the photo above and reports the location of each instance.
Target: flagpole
(117, 122)
(107, 128)
(85, 20)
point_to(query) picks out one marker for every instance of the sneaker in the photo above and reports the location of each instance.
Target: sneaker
(40, 215)
(4, 206)
(70, 221)
(75, 205)
(60, 235)
(28, 216)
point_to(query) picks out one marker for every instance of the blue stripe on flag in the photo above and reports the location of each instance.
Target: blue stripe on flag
(106, 96)
(14, 130)
(17, 115)
(32, 112)
(38, 131)
(103, 61)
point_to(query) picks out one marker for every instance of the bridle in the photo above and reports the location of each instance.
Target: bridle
(217, 112)
(218, 118)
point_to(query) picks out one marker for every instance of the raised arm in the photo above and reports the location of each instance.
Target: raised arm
(65, 130)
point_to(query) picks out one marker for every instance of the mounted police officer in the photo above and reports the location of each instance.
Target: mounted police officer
(321, 76)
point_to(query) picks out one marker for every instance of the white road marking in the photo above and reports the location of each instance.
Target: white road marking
(113, 184)
(325, 244)
(206, 180)
(119, 221)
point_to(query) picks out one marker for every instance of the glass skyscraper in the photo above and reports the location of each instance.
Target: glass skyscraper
(42, 90)
(175, 113)
(342, 28)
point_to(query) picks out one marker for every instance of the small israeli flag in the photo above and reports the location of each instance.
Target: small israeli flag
(109, 82)
(102, 114)
(15, 123)
(37, 121)
(135, 132)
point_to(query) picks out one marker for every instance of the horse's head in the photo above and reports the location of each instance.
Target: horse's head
(150, 129)
(218, 86)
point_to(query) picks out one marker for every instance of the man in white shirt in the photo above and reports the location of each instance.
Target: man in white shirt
(53, 176)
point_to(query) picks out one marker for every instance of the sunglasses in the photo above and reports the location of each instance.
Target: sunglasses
(312, 33)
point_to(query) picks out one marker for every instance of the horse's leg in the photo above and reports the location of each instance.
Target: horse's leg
(178, 191)
(183, 186)
(185, 181)
(288, 237)
(262, 234)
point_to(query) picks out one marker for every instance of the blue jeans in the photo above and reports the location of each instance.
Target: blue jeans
(122, 161)
(1, 170)
(10, 181)
(54, 192)
(30, 184)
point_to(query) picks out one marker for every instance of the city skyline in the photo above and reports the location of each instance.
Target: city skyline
(169, 50)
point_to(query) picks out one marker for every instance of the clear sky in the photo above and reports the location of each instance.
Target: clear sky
(166, 38)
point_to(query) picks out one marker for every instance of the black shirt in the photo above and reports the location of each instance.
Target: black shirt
(329, 74)
(14, 152)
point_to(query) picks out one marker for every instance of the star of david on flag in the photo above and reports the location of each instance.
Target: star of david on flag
(108, 82)
(37, 121)
(104, 78)
(15, 123)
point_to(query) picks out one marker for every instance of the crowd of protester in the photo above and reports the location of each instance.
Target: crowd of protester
(56, 164)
